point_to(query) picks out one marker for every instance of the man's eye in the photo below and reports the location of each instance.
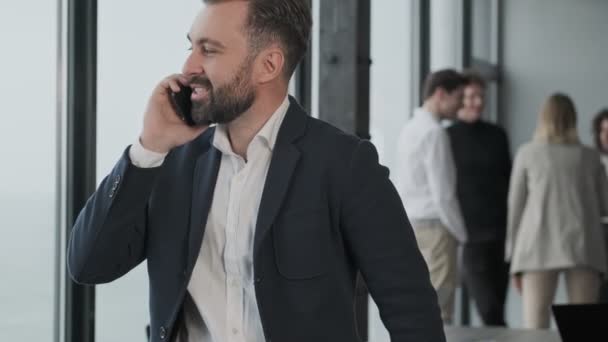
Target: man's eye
(208, 51)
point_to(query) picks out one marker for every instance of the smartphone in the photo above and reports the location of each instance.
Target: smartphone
(182, 104)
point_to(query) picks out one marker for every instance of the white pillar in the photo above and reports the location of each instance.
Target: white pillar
(446, 34)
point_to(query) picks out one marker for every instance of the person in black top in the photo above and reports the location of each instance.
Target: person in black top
(600, 137)
(483, 166)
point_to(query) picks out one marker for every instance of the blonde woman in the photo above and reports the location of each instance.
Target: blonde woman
(557, 195)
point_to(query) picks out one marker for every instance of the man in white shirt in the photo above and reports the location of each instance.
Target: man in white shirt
(425, 178)
(253, 229)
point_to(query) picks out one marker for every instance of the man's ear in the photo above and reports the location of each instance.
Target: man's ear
(441, 93)
(270, 64)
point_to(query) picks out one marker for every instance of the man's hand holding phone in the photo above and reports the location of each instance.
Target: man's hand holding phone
(163, 129)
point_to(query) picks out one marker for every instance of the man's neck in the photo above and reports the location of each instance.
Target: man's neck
(433, 108)
(242, 130)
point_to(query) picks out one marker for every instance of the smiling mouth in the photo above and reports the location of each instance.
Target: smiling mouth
(199, 93)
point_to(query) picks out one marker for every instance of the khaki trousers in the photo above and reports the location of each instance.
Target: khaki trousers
(538, 292)
(439, 250)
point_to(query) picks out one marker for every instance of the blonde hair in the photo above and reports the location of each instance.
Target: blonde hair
(557, 121)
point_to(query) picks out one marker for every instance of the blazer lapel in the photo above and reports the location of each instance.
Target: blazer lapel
(204, 178)
(283, 163)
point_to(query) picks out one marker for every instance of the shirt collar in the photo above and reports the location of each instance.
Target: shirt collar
(426, 115)
(268, 133)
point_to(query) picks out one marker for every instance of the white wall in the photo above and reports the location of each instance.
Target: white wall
(553, 45)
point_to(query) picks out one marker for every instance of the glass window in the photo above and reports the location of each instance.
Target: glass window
(390, 94)
(484, 50)
(140, 42)
(28, 32)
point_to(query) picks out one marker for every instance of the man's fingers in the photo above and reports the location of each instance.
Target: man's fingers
(175, 86)
(173, 83)
(183, 79)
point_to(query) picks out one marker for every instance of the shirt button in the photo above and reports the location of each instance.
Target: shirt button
(258, 280)
(162, 333)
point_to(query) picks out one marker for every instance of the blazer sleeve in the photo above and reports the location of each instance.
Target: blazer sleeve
(108, 237)
(518, 195)
(379, 236)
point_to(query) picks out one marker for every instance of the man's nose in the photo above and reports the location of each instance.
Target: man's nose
(193, 65)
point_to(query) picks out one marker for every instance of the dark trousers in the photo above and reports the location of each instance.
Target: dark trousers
(486, 276)
(603, 292)
(604, 286)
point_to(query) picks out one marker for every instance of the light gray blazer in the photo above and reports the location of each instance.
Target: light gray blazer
(557, 196)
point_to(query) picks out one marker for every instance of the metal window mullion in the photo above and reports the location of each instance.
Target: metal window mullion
(81, 151)
(424, 45)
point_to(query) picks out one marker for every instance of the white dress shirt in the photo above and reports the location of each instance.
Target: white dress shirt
(222, 305)
(425, 175)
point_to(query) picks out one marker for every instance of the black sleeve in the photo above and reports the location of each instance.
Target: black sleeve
(108, 237)
(505, 152)
(381, 239)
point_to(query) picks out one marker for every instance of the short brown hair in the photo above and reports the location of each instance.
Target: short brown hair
(287, 22)
(473, 77)
(557, 121)
(446, 79)
(597, 127)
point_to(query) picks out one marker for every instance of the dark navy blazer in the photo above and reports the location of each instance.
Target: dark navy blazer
(327, 211)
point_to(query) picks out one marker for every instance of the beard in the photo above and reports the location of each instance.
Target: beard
(224, 103)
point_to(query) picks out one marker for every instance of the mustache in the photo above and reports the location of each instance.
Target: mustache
(200, 81)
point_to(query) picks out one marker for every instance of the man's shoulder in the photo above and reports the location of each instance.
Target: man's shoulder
(436, 133)
(330, 137)
(591, 154)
